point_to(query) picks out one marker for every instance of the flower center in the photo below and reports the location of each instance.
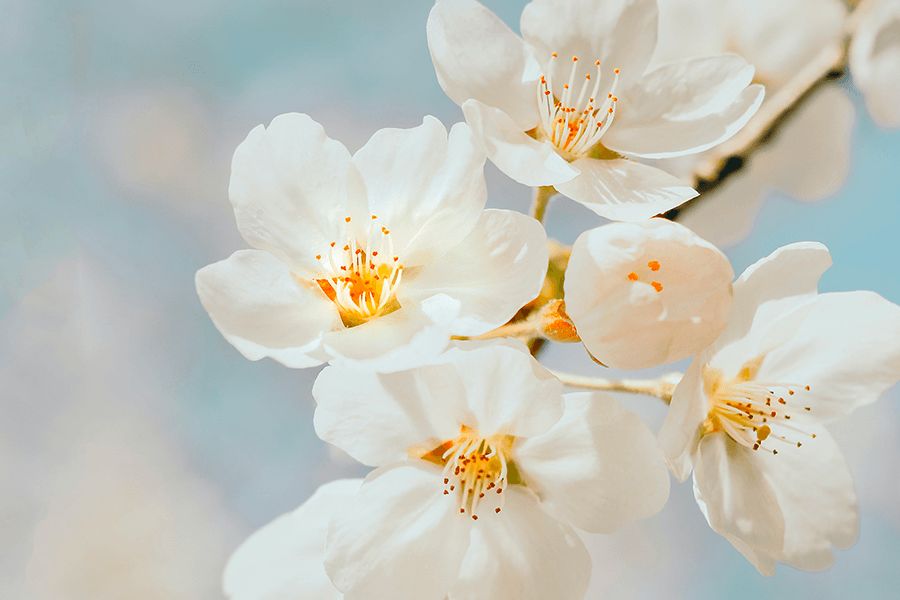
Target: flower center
(476, 469)
(362, 281)
(754, 412)
(648, 273)
(575, 124)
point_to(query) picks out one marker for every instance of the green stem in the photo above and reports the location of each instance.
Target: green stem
(542, 196)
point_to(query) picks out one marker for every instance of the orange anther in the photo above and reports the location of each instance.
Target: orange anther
(597, 63)
(616, 71)
(332, 244)
(553, 55)
(806, 388)
(610, 110)
(347, 219)
(654, 265)
(614, 99)
(791, 392)
(318, 257)
(633, 276)
(346, 247)
(574, 59)
(656, 286)
(396, 258)
(374, 253)
(374, 217)
(588, 76)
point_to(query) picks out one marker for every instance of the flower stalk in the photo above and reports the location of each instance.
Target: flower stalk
(661, 388)
(542, 195)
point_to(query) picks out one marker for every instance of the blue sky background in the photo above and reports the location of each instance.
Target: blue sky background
(117, 125)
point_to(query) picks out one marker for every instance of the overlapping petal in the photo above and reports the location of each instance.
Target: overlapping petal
(425, 186)
(526, 555)
(816, 495)
(399, 537)
(846, 349)
(680, 433)
(735, 496)
(621, 34)
(407, 337)
(498, 268)
(476, 55)
(598, 468)
(624, 190)
(378, 418)
(685, 107)
(528, 161)
(263, 310)
(283, 560)
(288, 189)
(496, 388)
(771, 299)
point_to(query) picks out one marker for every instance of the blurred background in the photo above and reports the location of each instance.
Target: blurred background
(138, 448)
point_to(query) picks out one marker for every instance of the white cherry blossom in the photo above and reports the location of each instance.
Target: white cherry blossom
(375, 259)
(748, 415)
(875, 59)
(572, 102)
(484, 468)
(643, 294)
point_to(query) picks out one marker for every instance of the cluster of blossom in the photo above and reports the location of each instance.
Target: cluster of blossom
(385, 265)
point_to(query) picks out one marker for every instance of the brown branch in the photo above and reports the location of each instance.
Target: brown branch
(730, 156)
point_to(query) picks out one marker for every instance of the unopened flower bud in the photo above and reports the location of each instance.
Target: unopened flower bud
(555, 325)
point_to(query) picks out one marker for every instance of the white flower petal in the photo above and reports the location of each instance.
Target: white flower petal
(378, 418)
(288, 190)
(771, 299)
(283, 560)
(815, 491)
(521, 157)
(875, 60)
(685, 107)
(399, 537)
(258, 306)
(680, 433)
(628, 324)
(497, 388)
(426, 187)
(624, 190)
(523, 554)
(498, 268)
(405, 338)
(847, 350)
(621, 34)
(476, 55)
(598, 468)
(735, 495)
(763, 562)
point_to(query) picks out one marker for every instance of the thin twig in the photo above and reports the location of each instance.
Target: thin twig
(661, 388)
